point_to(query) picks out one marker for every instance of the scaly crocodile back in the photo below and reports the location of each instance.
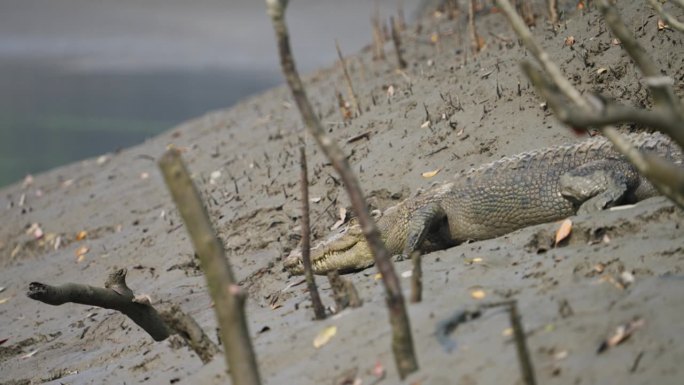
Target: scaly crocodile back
(517, 191)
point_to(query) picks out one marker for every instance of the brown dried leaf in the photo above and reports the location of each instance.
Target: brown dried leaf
(569, 41)
(662, 25)
(563, 231)
(81, 235)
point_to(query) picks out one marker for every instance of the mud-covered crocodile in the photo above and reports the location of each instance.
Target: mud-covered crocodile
(496, 198)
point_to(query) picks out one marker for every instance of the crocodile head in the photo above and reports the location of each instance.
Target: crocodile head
(345, 250)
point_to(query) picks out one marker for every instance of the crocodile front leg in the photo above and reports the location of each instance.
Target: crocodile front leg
(421, 223)
(599, 185)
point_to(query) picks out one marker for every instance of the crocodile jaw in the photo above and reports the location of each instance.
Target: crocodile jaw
(346, 251)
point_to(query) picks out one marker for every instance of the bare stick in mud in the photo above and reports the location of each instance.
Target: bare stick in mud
(474, 37)
(319, 310)
(416, 277)
(344, 292)
(378, 36)
(553, 11)
(664, 177)
(228, 297)
(521, 344)
(347, 78)
(115, 295)
(397, 44)
(185, 326)
(402, 340)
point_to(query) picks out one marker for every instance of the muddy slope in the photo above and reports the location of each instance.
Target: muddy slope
(480, 108)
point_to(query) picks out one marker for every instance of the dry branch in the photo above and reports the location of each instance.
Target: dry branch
(397, 44)
(402, 341)
(664, 177)
(116, 295)
(553, 11)
(186, 327)
(344, 292)
(319, 310)
(228, 297)
(669, 19)
(474, 37)
(350, 88)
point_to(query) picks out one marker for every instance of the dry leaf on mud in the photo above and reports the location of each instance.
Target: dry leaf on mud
(430, 174)
(621, 333)
(29, 355)
(661, 24)
(343, 216)
(569, 41)
(563, 231)
(324, 336)
(3, 300)
(601, 70)
(81, 252)
(477, 293)
(81, 235)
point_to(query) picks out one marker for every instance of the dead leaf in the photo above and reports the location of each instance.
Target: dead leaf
(3, 300)
(434, 38)
(342, 214)
(81, 253)
(315, 199)
(601, 70)
(477, 293)
(430, 174)
(615, 42)
(81, 235)
(390, 91)
(425, 124)
(563, 231)
(324, 336)
(621, 333)
(29, 355)
(569, 41)
(662, 25)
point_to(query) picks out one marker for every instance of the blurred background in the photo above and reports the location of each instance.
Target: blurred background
(79, 78)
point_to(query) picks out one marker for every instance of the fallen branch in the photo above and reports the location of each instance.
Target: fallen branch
(228, 297)
(402, 340)
(186, 327)
(319, 310)
(116, 295)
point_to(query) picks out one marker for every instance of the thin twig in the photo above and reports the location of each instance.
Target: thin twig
(553, 11)
(474, 37)
(669, 19)
(350, 88)
(402, 340)
(319, 310)
(397, 44)
(228, 297)
(559, 82)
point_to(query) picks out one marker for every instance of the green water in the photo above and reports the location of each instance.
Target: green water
(49, 118)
